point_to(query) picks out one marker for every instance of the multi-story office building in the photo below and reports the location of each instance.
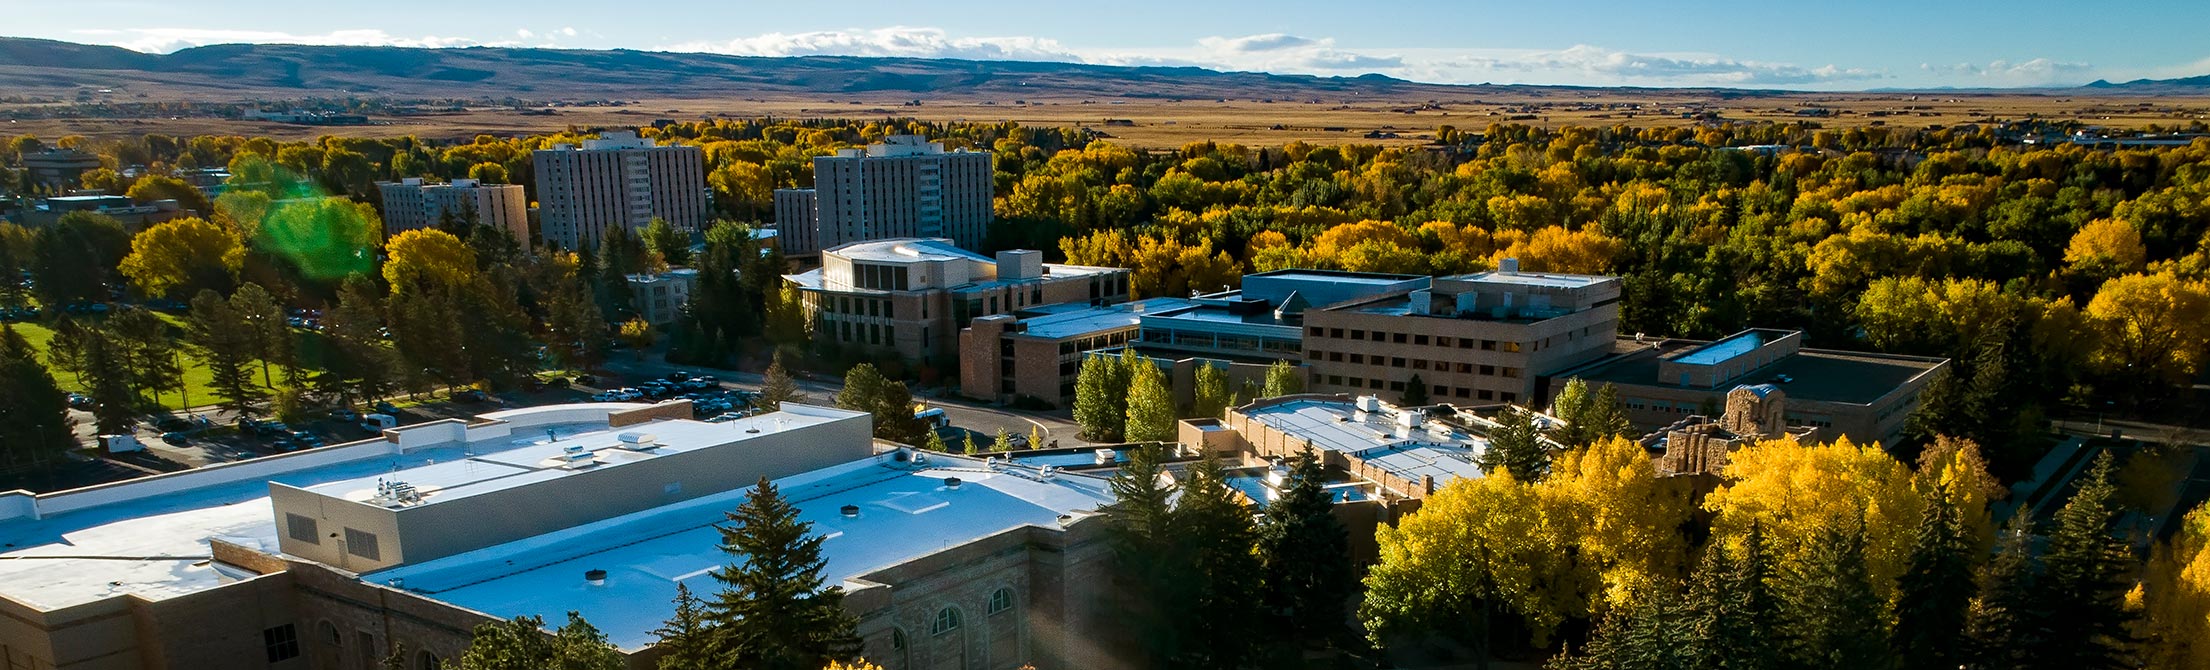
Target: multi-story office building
(617, 180)
(1867, 397)
(910, 297)
(60, 168)
(1488, 336)
(411, 203)
(905, 186)
(1035, 354)
(659, 297)
(340, 556)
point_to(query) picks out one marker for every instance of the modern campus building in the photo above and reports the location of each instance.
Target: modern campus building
(1867, 397)
(1035, 354)
(617, 180)
(132, 215)
(910, 297)
(659, 297)
(1483, 337)
(60, 169)
(410, 204)
(336, 558)
(904, 186)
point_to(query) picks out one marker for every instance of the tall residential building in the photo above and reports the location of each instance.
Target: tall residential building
(617, 180)
(1488, 336)
(910, 297)
(409, 204)
(904, 187)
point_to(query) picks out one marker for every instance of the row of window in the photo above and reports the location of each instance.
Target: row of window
(1506, 372)
(879, 277)
(281, 643)
(871, 333)
(842, 304)
(1413, 339)
(1436, 391)
(950, 618)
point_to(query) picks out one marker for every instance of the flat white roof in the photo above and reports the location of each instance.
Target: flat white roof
(156, 546)
(1085, 319)
(907, 250)
(453, 479)
(1549, 279)
(1433, 448)
(905, 512)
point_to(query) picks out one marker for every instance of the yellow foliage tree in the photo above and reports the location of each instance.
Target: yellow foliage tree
(1797, 491)
(1555, 249)
(427, 256)
(2106, 248)
(2174, 598)
(187, 254)
(1625, 520)
(2154, 325)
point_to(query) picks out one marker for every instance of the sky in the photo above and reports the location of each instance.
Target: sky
(1790, 44)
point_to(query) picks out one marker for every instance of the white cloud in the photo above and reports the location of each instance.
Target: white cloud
(895, 41)
(570, 31)
(524, 33)
(1632, 68)
(1251, 43)
(2035, 72)
(165, 40)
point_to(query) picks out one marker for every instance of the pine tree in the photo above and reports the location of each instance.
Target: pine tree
(2086, 580)
(1308, 575)
(148, 351)
(1210, 395)
(1935, 592)
(225, 345)
(1213, 524)
(1415, 392)
(2007, 624)
(778, 388)
(685, 639)
(271, 337)
(1516, 445)
(1141, 530)
(1003, 441)
(1606, 416)
(107, 381)
(522, 644)
(35, 427)
(1572, 406)
(1831, 607)
(1744, 631)
(1035, 436)
(866, 390)
(970, 448)
(775, 611)
(1282, 379)
(1094, 391)
(1150, 405)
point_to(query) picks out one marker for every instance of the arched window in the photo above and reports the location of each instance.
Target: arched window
(1001, 600)
(947, 620)
(897, 639)
(427, 661)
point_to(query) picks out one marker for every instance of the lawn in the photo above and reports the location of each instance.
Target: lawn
(196, 375)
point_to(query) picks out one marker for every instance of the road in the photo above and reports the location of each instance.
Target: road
(986, 419)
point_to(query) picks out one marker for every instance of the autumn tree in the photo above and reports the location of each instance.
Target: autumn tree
(2152, 325)
(1100, 397)
(183, 257)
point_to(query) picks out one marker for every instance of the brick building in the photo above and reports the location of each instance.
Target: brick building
(911, 297)
(1035, 354)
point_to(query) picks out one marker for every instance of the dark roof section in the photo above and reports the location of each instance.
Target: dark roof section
(1824, 375)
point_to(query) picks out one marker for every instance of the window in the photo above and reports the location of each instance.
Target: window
(302, 528)
(947, 620)
(1358, 358)
(1336, 333)
(369, 657)
(897, 639)
(1419, 340)
(282, 643)
(1397, 338)
(1358, 334)
(1488, 345)
(1001, 600)
(1508, 396)
(1419, 364)
(1395, 362)
(362, 544)
(1335, 380)
(1465, 343)
(1488, 370)
(1396, 386)
(1511, 347)
(1314, 331)
(1335, 356)
(427, 661)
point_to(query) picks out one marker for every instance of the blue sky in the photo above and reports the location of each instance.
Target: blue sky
(1835, 44)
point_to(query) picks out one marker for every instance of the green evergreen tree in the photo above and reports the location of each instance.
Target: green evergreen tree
(2007, 625)
(1838, 622)
(1217, 610)
(778, 387)
(1147, 583)
(271, 337)
(1415, 392)
(522, 644)
(1150, 405)
(1309, 579)
(775, 611)
(1282, 379)
(35, 428)
(1935, 592)
(674, 246)
(1743, 632)
(225, 345)
(1573, 406)
(1606, 416)
(2086, 580)
(107, 382)
(148, 351)
(866, 390)
(1094, 392)
(685, 640)
(1516, 445)
(935, 442)
(1210, 397)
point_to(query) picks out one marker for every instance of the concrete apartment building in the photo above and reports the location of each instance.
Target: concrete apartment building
(659, 297)
(904, 186)
(330, 558)
(60, 168)
(617, 180)
(1036, 354)
(1483, 337)
(910, 297)
(1867, 397)
(411, 203)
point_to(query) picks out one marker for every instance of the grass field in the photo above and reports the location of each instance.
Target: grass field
(1157, 123)
(196, 375)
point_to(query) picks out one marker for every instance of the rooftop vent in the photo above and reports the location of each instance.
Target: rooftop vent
(1047, 472)
(951, 483)
(1508, 266)
(639, 441)
(595, 577)
(1102, 457)
(1367, 403)
(850, 511)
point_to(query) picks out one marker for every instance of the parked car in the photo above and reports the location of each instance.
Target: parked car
(472, 395)
(80, 401)
(587, 380)
(176, 438)
(678, 375)
(385, 407)
(173, 424)
(304, 439)
(345, 414)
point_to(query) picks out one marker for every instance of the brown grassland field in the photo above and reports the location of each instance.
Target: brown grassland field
(1158, 123)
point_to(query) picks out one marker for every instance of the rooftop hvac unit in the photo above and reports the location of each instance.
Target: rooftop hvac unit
(1102, 457)
(1468, 302)
(639, 441)
(1423, 302)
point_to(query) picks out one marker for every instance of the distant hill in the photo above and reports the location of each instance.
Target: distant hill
(2182, 85)
(549, 73)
